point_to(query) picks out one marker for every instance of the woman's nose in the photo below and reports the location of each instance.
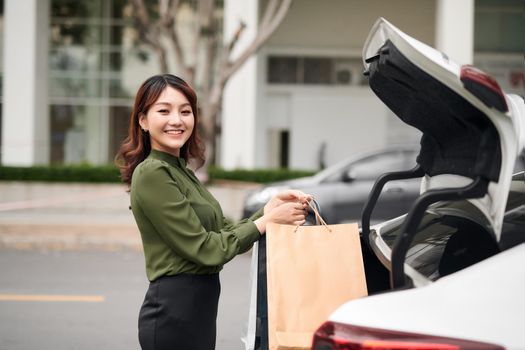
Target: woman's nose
(175, 118)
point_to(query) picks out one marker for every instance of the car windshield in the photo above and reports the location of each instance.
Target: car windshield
(454, 235)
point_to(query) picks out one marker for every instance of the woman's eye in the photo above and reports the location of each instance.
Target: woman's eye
(186, 112)
(163, 111)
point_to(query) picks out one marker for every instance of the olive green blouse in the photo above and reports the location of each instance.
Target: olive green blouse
(182, 226)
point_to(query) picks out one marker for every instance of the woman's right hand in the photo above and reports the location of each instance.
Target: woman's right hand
(288, 213)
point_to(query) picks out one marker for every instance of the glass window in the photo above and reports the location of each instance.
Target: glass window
(75, 86)
(67, 134)
(119, 8)
(116, 34)
(343, 72)
(75, 8)
(96, 63)
(86, 69)
(315, 70)
(318, 70)
(69, 33)
(79, 59)
(499, 26)
(119, 117)
(117, 89)
(283, 70)
(115, 61)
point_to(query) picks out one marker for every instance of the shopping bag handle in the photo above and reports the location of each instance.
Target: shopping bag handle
(318, 219)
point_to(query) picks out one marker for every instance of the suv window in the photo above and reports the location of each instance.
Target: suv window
(371, 167)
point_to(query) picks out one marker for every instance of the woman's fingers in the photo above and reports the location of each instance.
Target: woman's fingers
(289, 213)
(299, 222)
(294, 195)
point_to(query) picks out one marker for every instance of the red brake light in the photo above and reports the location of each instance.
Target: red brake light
(484, 87)
(337, 336)
(403, 345)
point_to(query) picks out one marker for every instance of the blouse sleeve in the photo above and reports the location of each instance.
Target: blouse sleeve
(228, 225)
(173, 218)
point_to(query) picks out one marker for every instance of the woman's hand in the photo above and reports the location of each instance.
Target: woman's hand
(288, 207)
(287, 196)
(289, 213)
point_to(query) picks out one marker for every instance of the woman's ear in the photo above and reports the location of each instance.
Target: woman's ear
(143, 122)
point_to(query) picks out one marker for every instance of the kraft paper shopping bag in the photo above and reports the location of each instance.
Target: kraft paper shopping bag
(311, 270)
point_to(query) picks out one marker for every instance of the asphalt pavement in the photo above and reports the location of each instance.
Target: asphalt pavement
(85, 300)
(72, 267)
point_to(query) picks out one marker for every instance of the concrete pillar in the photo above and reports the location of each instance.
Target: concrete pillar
(239, 105)
(455, 29)
(25, 113)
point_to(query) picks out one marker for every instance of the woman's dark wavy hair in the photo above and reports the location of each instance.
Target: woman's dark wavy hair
(136, 146)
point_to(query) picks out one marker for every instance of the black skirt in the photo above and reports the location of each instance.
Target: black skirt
(180, 312)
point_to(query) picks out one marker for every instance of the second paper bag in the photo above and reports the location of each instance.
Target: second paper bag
(311, 270)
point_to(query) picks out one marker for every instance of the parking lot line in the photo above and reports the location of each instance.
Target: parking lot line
(53, 298)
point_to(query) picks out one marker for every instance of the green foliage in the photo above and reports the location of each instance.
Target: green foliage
(62, 173)
(257, 175)
(110, 174)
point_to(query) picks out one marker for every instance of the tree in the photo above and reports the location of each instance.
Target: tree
(209, 75)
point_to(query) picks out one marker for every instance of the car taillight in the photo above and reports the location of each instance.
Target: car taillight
(337, 336)
(484, 87)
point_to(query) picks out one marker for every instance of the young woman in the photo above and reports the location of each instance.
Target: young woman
(185, 236)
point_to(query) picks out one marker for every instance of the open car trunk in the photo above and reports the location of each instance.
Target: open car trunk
(472, 132)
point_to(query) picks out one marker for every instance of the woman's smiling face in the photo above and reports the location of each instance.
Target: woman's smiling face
(169, 121)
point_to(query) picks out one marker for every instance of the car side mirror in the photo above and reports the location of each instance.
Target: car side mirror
(349, 175)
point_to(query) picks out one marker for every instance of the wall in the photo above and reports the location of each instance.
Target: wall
(345, 23)
(348, 119)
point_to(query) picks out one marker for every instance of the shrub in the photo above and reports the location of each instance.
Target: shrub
(110, 174)
(62, 173)
(257, 175)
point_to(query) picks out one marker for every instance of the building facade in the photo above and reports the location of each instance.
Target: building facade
(70, 70)
(302, 101)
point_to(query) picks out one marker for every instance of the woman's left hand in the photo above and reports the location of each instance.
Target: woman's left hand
(288, 196)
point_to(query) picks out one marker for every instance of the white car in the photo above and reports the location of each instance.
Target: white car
(454, 266)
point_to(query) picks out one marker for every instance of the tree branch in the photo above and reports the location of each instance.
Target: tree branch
(142, 13)
(263, 35)
(221, 78)
(149, 33)
(235, 39)
(179, 54)
(207, 71)
(168, 15)
(269, 12)
(161, 51)
(143, 22)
